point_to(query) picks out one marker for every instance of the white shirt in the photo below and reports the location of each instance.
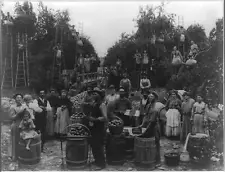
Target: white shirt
(111, 98)
(145, 81)
(48, 108)
(33, 107)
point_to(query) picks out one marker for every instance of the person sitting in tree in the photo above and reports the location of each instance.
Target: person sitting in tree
(193, 49)
(27, 127)
(176, 59)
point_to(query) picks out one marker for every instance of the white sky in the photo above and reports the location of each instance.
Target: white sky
(103, 22)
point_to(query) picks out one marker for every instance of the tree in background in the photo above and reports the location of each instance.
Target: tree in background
(42, 34)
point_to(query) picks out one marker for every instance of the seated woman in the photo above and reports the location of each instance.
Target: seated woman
(27, 127)
(176, 59)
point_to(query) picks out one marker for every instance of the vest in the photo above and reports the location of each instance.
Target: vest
(98, 126)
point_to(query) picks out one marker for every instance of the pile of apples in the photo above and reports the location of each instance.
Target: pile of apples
(78, 131)
(77, 116)
(115, 123)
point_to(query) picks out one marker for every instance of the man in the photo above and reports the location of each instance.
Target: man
(41, 118)
(112, 95)
(186, 108)
(126, 85)
(152, 121)
(121, 106)
(145, 83)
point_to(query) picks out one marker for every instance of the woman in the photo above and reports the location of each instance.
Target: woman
(53, 100)
(97, 120)
(112, 95)
(63, 114)
(173, 115)
(143, 105)
(176, 59)
(16, 114)
(152, 122)
(199, 116)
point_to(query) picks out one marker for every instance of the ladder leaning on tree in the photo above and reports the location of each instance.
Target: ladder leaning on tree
(7, 79)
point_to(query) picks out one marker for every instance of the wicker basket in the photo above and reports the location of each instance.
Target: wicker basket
(116, 130)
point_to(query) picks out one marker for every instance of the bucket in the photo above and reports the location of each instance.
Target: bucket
(172, 158)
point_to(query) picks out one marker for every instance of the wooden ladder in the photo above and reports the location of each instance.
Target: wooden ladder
(21, 70)
(7, 79)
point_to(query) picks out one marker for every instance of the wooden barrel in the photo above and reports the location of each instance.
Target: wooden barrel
(76, 152)
(32, 156)
(198, 148)
(115, 149)
(129, 147)
(145, 151)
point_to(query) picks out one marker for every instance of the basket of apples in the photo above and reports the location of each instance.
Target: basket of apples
(78, 131)
(77, 118)
(116, 126)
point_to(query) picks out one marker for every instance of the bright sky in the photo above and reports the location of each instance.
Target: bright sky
(104, 22)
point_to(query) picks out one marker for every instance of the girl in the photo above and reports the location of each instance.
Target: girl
(27, 129)
(199, 115)
(63, 114)
(173, 115)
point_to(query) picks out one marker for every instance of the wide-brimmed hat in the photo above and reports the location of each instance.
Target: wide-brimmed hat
(96, 90)
(154, 93)
(121, 91)
(186, 93)
(111, 87)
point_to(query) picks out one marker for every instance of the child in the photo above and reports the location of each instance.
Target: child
(27, 129)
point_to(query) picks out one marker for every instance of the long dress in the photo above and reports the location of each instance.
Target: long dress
(54, 103)
(199, 116)
(63, 116)
(186, 108)
(15, 114)
(173, 118)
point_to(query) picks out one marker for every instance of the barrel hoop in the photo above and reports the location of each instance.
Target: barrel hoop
(31, 144)
(76, 162)
(30, 159)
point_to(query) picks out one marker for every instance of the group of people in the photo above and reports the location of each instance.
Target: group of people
(43, 115)
(178, 59)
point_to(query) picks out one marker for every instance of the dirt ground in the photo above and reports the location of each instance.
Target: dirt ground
(51, 159)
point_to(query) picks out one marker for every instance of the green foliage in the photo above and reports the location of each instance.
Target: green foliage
(43, 35)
